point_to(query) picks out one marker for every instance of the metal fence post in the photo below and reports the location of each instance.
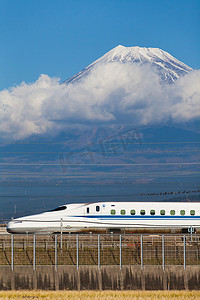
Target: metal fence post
(77, 252)
(99, 254)
(34, 252)
(56, 252)
(120, 251)
(163, 252)
(61, 228)
(12, 252)
(141, 250)
(184, 252)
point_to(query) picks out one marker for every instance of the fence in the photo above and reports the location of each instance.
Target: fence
(99, 250)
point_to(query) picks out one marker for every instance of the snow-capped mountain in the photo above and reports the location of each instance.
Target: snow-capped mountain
(168, 67)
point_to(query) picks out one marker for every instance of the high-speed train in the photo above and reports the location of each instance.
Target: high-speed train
(111, 216)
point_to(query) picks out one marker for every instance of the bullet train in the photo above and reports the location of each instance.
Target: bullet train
(111, 216)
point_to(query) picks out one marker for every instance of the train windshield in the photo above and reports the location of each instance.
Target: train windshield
(58, 208)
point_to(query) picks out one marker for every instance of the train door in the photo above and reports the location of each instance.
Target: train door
(98, 211)
(87, 211)
(94, 210)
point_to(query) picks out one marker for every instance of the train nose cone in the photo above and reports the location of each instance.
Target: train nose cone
(11, 227)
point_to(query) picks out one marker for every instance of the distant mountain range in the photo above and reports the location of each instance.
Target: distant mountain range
(168, 67)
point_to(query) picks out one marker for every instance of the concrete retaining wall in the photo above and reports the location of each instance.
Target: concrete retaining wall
(107, 278)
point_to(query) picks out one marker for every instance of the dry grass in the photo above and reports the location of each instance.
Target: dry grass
(108, 295)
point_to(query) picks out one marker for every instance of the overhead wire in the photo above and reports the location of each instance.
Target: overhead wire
(106, 152)
(99, 164)
(99, 142)
(109, 195)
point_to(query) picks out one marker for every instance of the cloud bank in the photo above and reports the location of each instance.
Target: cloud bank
(110, 93)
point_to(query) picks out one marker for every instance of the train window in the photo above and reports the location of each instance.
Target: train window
(59, 208)
(142, 212)
(172, 212)
(97, 208)
(132, 212)
(113, 211)
(88, 210)
(182, 212)
(162, 212)
(123, 212)
(192, 212)
(152, 212)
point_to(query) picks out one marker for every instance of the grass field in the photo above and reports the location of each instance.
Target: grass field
(108, 295)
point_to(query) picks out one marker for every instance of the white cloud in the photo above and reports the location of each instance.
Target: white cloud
(111, 93)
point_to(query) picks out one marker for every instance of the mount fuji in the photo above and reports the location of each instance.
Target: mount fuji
(128, 85)
(168, 67)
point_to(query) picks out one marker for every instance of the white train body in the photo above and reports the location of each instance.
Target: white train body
(110, 216)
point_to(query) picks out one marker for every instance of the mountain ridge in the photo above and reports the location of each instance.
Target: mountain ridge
(168, 67)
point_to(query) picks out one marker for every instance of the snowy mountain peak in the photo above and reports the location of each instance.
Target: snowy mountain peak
(168, 67)
(140, 54)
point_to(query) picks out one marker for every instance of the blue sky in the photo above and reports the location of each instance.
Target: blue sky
(59, 38)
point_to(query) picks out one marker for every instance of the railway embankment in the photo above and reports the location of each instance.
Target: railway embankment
(100, 262)
(105, 278)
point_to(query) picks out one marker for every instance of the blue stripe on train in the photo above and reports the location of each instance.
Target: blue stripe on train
(139, 217)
